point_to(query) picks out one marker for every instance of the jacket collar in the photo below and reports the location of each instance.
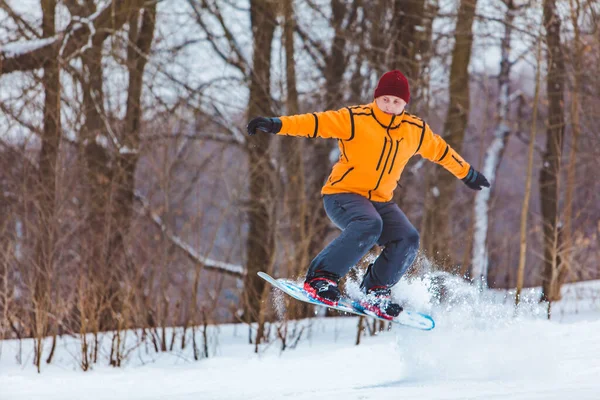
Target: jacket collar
(384, 119)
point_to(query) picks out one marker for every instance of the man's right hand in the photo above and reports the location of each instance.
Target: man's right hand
(269, 125)
(475, 180)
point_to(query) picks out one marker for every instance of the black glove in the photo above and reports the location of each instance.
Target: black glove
(475, 180)
(269, 125)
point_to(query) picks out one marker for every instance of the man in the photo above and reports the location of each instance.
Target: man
(376, 141)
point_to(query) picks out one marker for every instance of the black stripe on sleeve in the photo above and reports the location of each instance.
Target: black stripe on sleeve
(457, 160)
(445, 152)
(316, 125)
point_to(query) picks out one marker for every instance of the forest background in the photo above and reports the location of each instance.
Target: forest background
(131, 196)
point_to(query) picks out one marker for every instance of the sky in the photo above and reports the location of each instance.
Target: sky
(478, 350)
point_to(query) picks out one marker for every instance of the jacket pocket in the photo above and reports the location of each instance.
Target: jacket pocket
(342, 177)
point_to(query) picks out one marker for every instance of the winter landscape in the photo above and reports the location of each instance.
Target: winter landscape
(155, 155)
(478, 350)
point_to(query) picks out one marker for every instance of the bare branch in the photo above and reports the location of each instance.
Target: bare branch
(37, 54)
(238, 61)
(234, 270)
(314, 49)
(22, 25)
(214, 136)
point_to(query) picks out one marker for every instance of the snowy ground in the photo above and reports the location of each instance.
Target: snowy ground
(478, 350)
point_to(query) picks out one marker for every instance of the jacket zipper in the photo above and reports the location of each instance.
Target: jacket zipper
(387, 131)
(395, 154)
(382, 153)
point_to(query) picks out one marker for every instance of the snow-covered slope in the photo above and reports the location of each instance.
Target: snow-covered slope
(478, 350)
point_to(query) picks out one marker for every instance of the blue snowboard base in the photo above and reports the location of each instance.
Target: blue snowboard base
(408, 318)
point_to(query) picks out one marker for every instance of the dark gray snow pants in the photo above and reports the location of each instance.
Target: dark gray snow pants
(364, 223)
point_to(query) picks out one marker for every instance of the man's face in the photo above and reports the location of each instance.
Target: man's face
(390, 104)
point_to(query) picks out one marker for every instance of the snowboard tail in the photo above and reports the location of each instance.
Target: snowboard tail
(408, 318)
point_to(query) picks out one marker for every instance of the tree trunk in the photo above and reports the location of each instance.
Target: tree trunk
(292, 150)
(493, 155)
(437, 238)
(412, 48)
(567, 252)
(46, 194)
(95, 162)
(551, 161)
(260, 241)
(123, 185)
(529, 179)
(409, 43)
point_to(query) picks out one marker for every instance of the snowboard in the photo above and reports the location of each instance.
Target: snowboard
(407, 318)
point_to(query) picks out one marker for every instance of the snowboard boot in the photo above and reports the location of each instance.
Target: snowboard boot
(379, 301)
(324, 288)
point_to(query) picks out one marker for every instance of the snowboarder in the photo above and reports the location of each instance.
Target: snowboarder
(375, 141)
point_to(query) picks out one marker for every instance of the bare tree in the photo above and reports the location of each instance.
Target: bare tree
(412, 43)
(261, 213)
(292, 152)
(436, 233)
(529, 178)
(551, 166)
(567, 258)
(45, 201)
(495, 151)
(141, 32)
(92, 304)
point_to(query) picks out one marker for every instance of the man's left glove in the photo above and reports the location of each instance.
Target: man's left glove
(475, 180)
(269, 125)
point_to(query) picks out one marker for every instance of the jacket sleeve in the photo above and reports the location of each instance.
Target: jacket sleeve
(328, 124)
(435, 149)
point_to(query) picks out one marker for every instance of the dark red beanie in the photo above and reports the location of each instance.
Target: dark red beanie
(393, 83)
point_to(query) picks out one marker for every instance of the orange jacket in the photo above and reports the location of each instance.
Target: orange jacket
(374, 147)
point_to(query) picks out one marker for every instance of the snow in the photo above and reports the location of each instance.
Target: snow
(15, 49)
(482, 197)
(91, 27)
(18, 48)
(478, 350)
